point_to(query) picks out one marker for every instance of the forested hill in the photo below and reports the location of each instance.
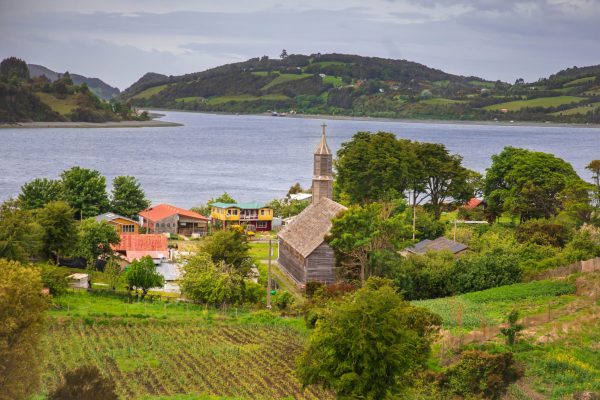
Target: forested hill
(341, 84)
(96, 85)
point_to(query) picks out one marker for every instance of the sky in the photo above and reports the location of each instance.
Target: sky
(120, 40)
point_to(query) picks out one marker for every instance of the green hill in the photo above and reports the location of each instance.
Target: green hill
(341, 84)
(99, 87)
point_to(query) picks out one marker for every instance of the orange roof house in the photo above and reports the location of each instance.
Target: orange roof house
(475, 203)
(135, 246)
(165, 218)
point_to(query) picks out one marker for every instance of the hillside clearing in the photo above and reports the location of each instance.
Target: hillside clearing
(441, 101)
(244, 97)
(146, 94)
(578, 110)
(283, 78)
(541, 102)
(61, 106)
(580, 81)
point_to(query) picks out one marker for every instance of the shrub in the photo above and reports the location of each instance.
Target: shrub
(481, 374)
(485, 270)
(283, 300)
(54, 279)
(543, 232)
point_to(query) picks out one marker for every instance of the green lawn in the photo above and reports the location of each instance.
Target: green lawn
(244, 97)
(260, 251)
(490, 307)
(578, 110)
(61, 106)
(580, 81)
(489, 85)
(283, 78)
(541, 102)
(336, 81)
(145, 94)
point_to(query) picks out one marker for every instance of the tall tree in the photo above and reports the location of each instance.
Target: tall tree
(366, 345)
(231, 247)
(60, 231)
(22, 308)
(14, 68)
(128, 197)
(39, 192)
(528, 183)
(594, 166)
(95, 239)
(85, 191)
(20, 236)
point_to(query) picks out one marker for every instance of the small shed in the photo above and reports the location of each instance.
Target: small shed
(79, 281)
(439, 244)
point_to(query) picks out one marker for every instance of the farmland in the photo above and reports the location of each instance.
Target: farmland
(244, 97)
(283, 78)
(168, 349)
(540, 102)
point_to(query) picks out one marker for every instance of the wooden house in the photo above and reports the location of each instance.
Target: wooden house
(303, 253)
(165, 218)
(439, 244)
(122, 224)
(254, 216)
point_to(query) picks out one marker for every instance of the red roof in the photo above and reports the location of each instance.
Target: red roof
(163, 211)
(473, 203)
(138, 242)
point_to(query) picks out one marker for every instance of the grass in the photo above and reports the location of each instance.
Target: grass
(260, 250)
(490, 307)
(175, 351)
(146, 94)
(262, 73)
(188, 99)
(541, 102)
(441, 83)
(283, 78)
(245, 97)
(489, 85)
(61, 106)
(580, 81)
(441, 101)
(336, 81)
(593, 92)
(329, 63)
(578, 110)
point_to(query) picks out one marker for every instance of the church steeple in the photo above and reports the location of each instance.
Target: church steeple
(322, 184)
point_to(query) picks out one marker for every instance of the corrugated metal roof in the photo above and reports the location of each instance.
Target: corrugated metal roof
(438, 244)
(109, 216)
(139, 242)
(163, 211)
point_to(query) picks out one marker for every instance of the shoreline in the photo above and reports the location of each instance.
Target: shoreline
(109, 124)
(399, 120)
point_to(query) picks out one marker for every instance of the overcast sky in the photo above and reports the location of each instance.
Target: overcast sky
(120, 40)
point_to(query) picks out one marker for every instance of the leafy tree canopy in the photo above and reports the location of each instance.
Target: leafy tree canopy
(231, 247)
(21, 237)
(128, 197)
(367, 345)
(142, 275)
(85, 191)
(95, 239)
(39, 192)
(14, 68)
(60, 231)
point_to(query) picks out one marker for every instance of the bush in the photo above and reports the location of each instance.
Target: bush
(481, 374)
(497, 267)
(283, 300)
(425, 276)
(85, 382)
(54, 279)
(543, 232)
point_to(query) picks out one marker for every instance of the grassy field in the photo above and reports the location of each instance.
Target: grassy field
(336, 81)
(541, 102)
(490, 307)
(61, 106)
(580, 81)
(260, 250)
(578, 110)
(244, 97)
(489, 85)
(188, 99)
(165, 350)
(440, 101)
(283, 78)
(145, 94)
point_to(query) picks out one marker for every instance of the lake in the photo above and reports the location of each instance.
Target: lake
(253, 158)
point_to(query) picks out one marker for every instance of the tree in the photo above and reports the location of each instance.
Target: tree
(60, 231)
(367, 344)
(527, 183)
(39, 192)
(22, 308)
(113, 271)
(128, 198)
(85, 382)
(142, 275)
(95, 239)
(283, 54)
(212, 283)
(20, 236)
(361, 230)
(445, 177)
(594, 166)
(231, 247)
(513, 328)
(14, 68)
(372, 167)
(85, 191)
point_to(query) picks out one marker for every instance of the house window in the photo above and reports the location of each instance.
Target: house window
(168, 225)
(262, 212)
(262, 224)
(128, 228)
(234, 212)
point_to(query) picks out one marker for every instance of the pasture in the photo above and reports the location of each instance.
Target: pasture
(540, 102)
(146, 94)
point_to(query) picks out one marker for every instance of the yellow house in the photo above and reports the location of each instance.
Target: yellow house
(255, 216)
(121, 224)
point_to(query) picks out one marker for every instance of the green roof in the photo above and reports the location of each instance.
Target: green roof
(242, 206)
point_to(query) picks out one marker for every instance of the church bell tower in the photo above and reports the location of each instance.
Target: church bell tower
(322, 182)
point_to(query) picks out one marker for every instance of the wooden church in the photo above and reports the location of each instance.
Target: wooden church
(303, 252)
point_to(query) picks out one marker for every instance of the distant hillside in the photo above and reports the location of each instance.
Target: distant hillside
(100, 88)
(341, 84)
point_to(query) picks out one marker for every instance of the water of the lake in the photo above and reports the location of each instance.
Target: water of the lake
(251, 157)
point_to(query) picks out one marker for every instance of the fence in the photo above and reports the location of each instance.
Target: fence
(590, 265)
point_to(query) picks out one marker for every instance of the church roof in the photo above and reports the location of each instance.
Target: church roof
(308, 230)
(322, 148)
